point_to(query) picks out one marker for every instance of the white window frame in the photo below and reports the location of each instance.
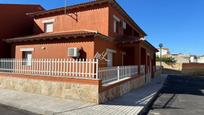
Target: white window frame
(48, 21)
(27, 61)
(27, 49)
(46, 27)
(116, 19)
(124, 25)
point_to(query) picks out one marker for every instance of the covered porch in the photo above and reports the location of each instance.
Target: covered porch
(140, 53)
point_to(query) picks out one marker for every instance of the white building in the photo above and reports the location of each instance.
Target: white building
(200, 59)
(165, 51)
(193, 59)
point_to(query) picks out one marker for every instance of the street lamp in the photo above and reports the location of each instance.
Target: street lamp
(160, 46)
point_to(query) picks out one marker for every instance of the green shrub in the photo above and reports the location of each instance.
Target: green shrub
(167, 60)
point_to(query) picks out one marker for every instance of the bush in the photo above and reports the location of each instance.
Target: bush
(167, 60)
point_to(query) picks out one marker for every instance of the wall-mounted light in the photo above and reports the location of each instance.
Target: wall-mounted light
(43, 48)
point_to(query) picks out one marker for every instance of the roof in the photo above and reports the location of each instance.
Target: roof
(20, 5)
(40, 8)
(150, 45)
(129, 40)
(55, 35)
(163, 48)
(90, 4)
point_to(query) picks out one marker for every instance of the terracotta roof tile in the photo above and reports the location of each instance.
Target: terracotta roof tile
(53, 35)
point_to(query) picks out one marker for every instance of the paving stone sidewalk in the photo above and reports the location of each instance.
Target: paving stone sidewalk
(129, 104)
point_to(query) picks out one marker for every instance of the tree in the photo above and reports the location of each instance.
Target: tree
(167, 60)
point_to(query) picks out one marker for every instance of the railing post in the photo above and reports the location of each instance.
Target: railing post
(118, 72)
(97, 69)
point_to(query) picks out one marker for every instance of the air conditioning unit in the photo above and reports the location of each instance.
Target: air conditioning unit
(73, 52)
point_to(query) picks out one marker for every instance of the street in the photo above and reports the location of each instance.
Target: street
(5, 110)
(180, 95)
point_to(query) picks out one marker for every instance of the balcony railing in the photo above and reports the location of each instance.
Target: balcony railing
(109, 74)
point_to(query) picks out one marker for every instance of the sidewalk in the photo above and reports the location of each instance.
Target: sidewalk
(129, 104)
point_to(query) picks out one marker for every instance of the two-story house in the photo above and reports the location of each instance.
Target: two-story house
(83, 30)
(14, 23)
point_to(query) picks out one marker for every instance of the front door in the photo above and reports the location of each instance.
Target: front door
(29, 59)
(110, 59)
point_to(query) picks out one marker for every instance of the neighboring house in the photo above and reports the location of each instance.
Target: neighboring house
(14, 22)
(193, 59)
(164, 52)
(200, 59)
(181, 58)
(85, 30)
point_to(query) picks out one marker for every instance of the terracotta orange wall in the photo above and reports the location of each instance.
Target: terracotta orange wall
(88, 19)
(112, 12)
(102, 45)
(56, 50)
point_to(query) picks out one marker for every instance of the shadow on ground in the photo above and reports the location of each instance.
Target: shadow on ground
(170, 71)
(178, 94)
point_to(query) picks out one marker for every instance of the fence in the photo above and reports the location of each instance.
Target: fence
(82, 69)
(109, 74)
(85, 68)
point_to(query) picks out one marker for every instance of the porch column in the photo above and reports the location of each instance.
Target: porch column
(138, 57)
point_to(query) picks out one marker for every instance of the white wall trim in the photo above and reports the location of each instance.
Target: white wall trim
(111, 50)
(26, 49)
(48, 21)
(124, 25)
(116, 18)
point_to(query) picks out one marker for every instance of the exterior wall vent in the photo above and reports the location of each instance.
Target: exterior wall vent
(73, 52)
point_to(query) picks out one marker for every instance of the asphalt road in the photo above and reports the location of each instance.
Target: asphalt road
(6, 110)
(180, 95)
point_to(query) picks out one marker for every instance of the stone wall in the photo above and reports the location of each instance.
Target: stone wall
(115, 90)
(176, 66)
(66, 88)
(82, 91)
(193, 69)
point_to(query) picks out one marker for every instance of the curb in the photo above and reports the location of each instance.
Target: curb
(145, 110)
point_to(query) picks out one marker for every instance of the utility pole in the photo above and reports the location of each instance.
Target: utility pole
(160, 46)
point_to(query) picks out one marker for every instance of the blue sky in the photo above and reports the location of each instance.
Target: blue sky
(178, 24)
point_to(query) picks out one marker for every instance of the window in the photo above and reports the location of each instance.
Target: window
(116, 24)
(48, 27)
(27, 58)
(124, 25)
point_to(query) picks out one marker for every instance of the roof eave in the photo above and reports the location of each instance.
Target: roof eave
(88, 4)
(149, 44)
(34, 14)
(131, 20)
(25, 39)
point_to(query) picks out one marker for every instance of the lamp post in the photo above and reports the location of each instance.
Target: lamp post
(160, 46)
(65, 7)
